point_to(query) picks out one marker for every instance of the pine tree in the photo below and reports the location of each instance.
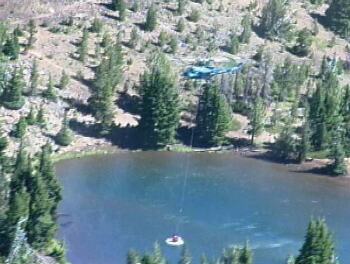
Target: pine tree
(11, 47)
(3, 158)
(180, 27)
(173, 43)
(134, 38)
(108, 75)
(345, 112)
(31, 117)
(246, 255)
(20, 128)
(133, 257)
(185, 256)
(286, 145)
(204, 260)
(273, 23)
(213, 118)
(12, 97)
(339, 166)
(96, 26)
(64, 81)
(17, 209)
(34, 78)
(304, 146)
(162, 39)
(181, 4)
(50, 93)
(120, 6)
(64, 137)
(247, 29)
(318, 245)
(47, 172)
(40, 226)
(40, 118)
(18, 202)
(303, 43)
(157, 256)
(317, 117)
(338, 17)
(83, 46)
(233, 45)
(106, 40)
(151, 18)
(32, 31)
(135, 6)
(159, 103)
(256, 119)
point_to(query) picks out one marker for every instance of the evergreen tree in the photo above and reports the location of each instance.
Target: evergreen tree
(304, 146)
(286, 145)
(233, 45)
(136, 6)
(18, 202)
(32, 31)
(134, 38)
(96, 26)
(236, 255)
(290, 260)
(185, 256)
(180, 27)
(339, 166)
(256, 119)
(247, 29)
(83, 46)
(108, 75)
(181, 4)
(151, 18)
(318, 246)
(20, 128)
(64, 81)
(3, 35)
(133, 257)
(213, 118)
(162, 39)
(120, 6)
(345, 112)
(3, 159)
(40, 118)
(12, 97)
(317, 119)
(50, 93)
(159, 103)
(173, 43)
(273, 23)
(34, 78)
(47, 172)
(303, 43)
(17, 210)
(31, 117)
(40, 226)
(338, 17)
(11, 47)
(64, 137)
(246, 255)
(158, 256)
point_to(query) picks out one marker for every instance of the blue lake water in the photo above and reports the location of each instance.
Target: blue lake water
(130, 200)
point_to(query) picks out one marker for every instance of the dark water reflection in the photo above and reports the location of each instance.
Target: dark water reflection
(129, 200)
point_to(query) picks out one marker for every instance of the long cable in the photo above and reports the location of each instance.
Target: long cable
(187, 167)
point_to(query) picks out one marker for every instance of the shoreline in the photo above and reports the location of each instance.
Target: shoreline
(314, 166)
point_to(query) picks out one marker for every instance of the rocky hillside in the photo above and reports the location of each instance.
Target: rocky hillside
(55, 50)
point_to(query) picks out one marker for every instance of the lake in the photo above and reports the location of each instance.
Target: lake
(130, 200)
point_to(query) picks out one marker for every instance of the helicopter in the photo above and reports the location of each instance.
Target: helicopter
(206, 72)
